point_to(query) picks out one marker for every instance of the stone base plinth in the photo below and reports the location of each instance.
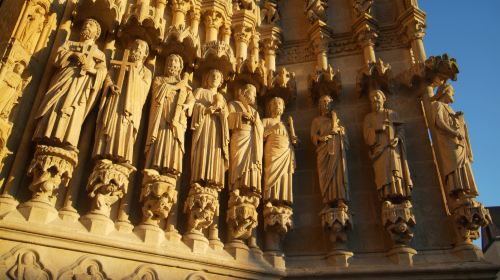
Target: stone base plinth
(7, 204)
(69, 214)
(38, 212)
(216, 244)
(402, 255)
(150, 234)
(173, 236)
(238, 249)
(197, 242)
(124, 226)
(468, 252)
(276, 259)
(339, 258)
(97, 224)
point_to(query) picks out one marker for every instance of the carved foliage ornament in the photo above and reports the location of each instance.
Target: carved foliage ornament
(242, 215)
(278, 217)
(158, 195)
(202, 205)
(398, 220)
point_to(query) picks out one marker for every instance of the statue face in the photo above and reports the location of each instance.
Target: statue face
(19, 68)
(324, 104)
(277, 107)
(28, 258)
(448, 96)
(173, 66)
(214, 79)
(139, 51)
(89, 31)
(377, 100)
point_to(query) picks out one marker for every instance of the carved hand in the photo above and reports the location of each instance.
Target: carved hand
(395, 142)
(115, 89)
(325, 138)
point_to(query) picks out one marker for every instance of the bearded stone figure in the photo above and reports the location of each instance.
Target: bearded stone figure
(330, 139)
(453, 144)
(209, 151)
(81, 71)
(245, 170)
(383, 133)
(279, 155)
(121, 110)
(171, 105)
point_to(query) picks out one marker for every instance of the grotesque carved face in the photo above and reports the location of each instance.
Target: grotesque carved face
(214, 78)
(174, 66)
(89, 30)
(277, 107)
(139, 51)
(377, 99)
(324, 104)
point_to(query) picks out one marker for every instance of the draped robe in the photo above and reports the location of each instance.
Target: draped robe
(72, 94)
(279, 162)
(455, 154)
(331, 161)
(209, 149)
(392, 175)
(120, 116)
(245, 148)
(165, 140)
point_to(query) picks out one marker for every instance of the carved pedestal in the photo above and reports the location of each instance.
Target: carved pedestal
(469, 216)
(398, 220)
(201, 207)
(107, 184)
(277, 222)
(337, 221)
(51, 168)
(158, 196)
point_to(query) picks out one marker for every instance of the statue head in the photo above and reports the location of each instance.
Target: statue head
(28, 258)
(19, 67)
(91, 30)
(248, 93)
(276, 107)
(324, 104)
(377, 100)
(174, 65)
(445, 94)
(213, 79)
(139, 50)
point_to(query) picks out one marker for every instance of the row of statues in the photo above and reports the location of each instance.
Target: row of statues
(227, 136)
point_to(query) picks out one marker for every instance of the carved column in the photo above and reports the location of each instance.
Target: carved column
(242, 35)
(179, 10)
(213, 21)
(365, 28)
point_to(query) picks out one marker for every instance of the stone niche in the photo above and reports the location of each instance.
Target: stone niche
(114, 186)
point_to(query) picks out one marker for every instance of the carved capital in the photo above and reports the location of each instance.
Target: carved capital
(270, 45)
(325, 82)
(181, 6)
(243, 34)
(470, 215)
(367, 36)
(337, 221)
(158, 196)
(202, 206)
(213, 19)
(107, 184)
(242, 215)
(398, 219)
(375, 75)
(278, 218)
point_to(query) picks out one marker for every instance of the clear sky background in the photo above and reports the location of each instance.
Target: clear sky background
(470, 32)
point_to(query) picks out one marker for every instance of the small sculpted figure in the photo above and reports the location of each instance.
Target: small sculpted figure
(11, 88)
(120, 113)
(383, 133)
(171, 105)
(210, 152)
(246, 144)
(81, 71)
(279, 155)
(453, 144)
(330, 139)
(28, 268)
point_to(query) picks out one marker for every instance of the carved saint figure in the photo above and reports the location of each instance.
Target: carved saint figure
(92, 273)
(453, 144)
(33, 27)
(330, 139)
(28, 268)
(383, 133)
(209, 152)
(245, 168)
(120, 113)
(279, 155)
(172, 103)
(73, 89)
(11, 87)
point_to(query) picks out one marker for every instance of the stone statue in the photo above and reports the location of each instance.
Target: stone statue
(316, 10)
(279, 155)
(383, 133)
(270, 12)
(210, 144)
(246, 147)
(330, 139)
(27, 267)
(121, 110)
(452, 141)
(33, 27)
(92, 273)
(81, 71)
(11, 87)
(172, 103)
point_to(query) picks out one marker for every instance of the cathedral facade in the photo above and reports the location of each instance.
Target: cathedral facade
(231, 139)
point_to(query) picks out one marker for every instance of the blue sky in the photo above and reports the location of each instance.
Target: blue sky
(471, 34)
